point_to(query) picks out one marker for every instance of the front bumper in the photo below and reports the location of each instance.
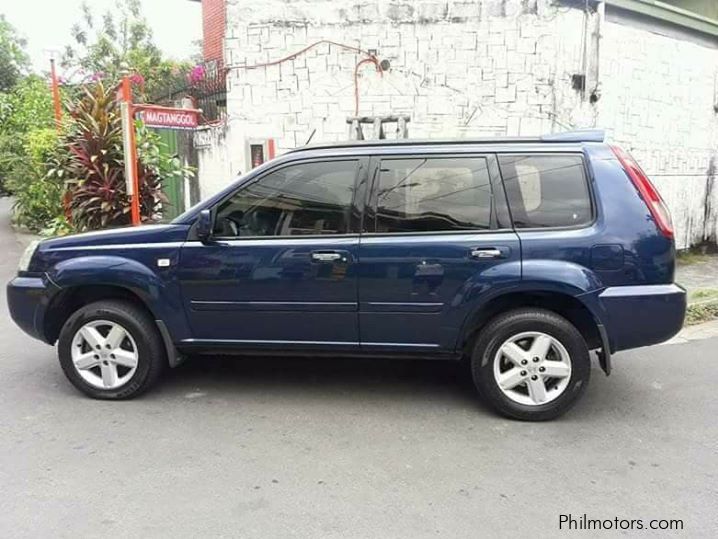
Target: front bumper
(642, 315)
(27, 299)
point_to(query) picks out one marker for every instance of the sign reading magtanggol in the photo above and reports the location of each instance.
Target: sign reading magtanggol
(168, 118)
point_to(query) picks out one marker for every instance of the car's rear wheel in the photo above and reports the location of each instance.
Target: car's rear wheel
(530, 364)
(111, 350)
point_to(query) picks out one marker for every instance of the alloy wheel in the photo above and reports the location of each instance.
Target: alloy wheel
(532, 368)
(104, 354)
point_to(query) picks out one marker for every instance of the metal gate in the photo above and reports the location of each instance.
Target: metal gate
(173, 187)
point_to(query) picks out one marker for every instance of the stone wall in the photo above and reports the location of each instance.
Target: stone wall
(475, 68)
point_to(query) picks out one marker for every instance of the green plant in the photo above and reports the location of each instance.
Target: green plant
(13, 58)
(38, 195)
(121, 41)
(39, 204)
(24, 111)
(157, 160)
(94, 170)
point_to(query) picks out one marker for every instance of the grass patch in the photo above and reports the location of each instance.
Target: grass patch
(690, 257)
(704, 312)
(702, 294)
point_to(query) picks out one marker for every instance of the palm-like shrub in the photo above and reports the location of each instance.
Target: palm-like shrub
(94, 168)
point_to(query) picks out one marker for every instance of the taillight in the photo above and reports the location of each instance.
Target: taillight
(648, 192)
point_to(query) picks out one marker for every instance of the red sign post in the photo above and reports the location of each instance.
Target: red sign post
(153, 116)
(130, 150)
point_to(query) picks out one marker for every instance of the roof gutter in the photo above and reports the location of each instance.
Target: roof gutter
(670, 14)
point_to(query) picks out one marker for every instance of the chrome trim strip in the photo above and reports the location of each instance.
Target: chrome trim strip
(401, 344)
(328, 239)
(275, 302)
(317, 306)
(115, 246)
(393, 303)
(259, 341)
(311, 343)
(400, 307)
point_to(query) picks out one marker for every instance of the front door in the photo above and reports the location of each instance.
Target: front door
(437, 238)
(280, 270)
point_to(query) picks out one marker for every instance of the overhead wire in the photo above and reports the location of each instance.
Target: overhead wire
(370, 58)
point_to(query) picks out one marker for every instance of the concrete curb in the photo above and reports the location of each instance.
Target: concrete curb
(698, 332)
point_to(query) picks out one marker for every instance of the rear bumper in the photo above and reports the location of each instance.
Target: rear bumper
(27, 299)
(642, 315)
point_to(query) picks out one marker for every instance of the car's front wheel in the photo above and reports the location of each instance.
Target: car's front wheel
(530, 364)
(111, 350)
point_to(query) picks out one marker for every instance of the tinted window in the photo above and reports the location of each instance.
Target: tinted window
(303, 199)
(433, 194)
(546, 190)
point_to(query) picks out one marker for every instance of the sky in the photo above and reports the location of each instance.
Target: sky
(46, 24)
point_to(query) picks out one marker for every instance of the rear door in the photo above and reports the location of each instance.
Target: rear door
(437, 241)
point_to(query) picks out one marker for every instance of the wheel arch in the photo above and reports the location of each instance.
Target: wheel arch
(70, 299)
(157, 291)
(568, 306)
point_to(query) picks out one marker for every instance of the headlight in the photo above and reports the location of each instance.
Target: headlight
(26, 257)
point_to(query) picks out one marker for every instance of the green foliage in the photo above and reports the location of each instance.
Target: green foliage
(120, 41)
(155, 156)
(26, 121)
(14, 61)
(27, 106)
(80, 174)
(38, 203)
(40, 145)
(38, 197)
(94, 169)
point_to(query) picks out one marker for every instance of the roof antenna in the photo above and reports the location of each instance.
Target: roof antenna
(311, 136)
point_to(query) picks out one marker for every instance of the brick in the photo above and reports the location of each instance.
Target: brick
(505, 95)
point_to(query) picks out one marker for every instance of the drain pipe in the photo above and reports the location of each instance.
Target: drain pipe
(598, 38)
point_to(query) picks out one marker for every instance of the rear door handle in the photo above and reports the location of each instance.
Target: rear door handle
(488, 252)
(328, 256)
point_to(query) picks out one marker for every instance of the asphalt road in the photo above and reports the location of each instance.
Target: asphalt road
(276, 447)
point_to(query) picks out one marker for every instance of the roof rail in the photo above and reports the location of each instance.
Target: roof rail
(577, 135)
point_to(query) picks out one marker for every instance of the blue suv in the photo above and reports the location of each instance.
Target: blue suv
(520, 255)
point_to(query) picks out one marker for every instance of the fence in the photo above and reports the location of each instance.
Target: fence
(205, 85)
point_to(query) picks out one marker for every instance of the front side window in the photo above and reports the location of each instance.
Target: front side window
(297, 200)
(432, 195)
(546, 190)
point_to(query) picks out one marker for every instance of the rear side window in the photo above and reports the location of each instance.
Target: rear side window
(546, 190)
(433, 194)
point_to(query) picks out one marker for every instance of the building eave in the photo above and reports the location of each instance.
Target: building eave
(669, 14)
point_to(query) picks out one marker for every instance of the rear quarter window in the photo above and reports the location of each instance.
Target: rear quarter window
(547, 191)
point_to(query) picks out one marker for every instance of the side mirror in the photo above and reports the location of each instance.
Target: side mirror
(204, 225)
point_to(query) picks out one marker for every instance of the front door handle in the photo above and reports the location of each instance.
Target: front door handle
(489, 252)
(327, 256)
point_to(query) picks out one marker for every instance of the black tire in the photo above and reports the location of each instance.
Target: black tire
(151, 360)
(509, 324)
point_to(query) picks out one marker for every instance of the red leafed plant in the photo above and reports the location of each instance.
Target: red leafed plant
(94, 167)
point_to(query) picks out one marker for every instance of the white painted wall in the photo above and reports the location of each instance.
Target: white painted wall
(471, 68)
(658, 98)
